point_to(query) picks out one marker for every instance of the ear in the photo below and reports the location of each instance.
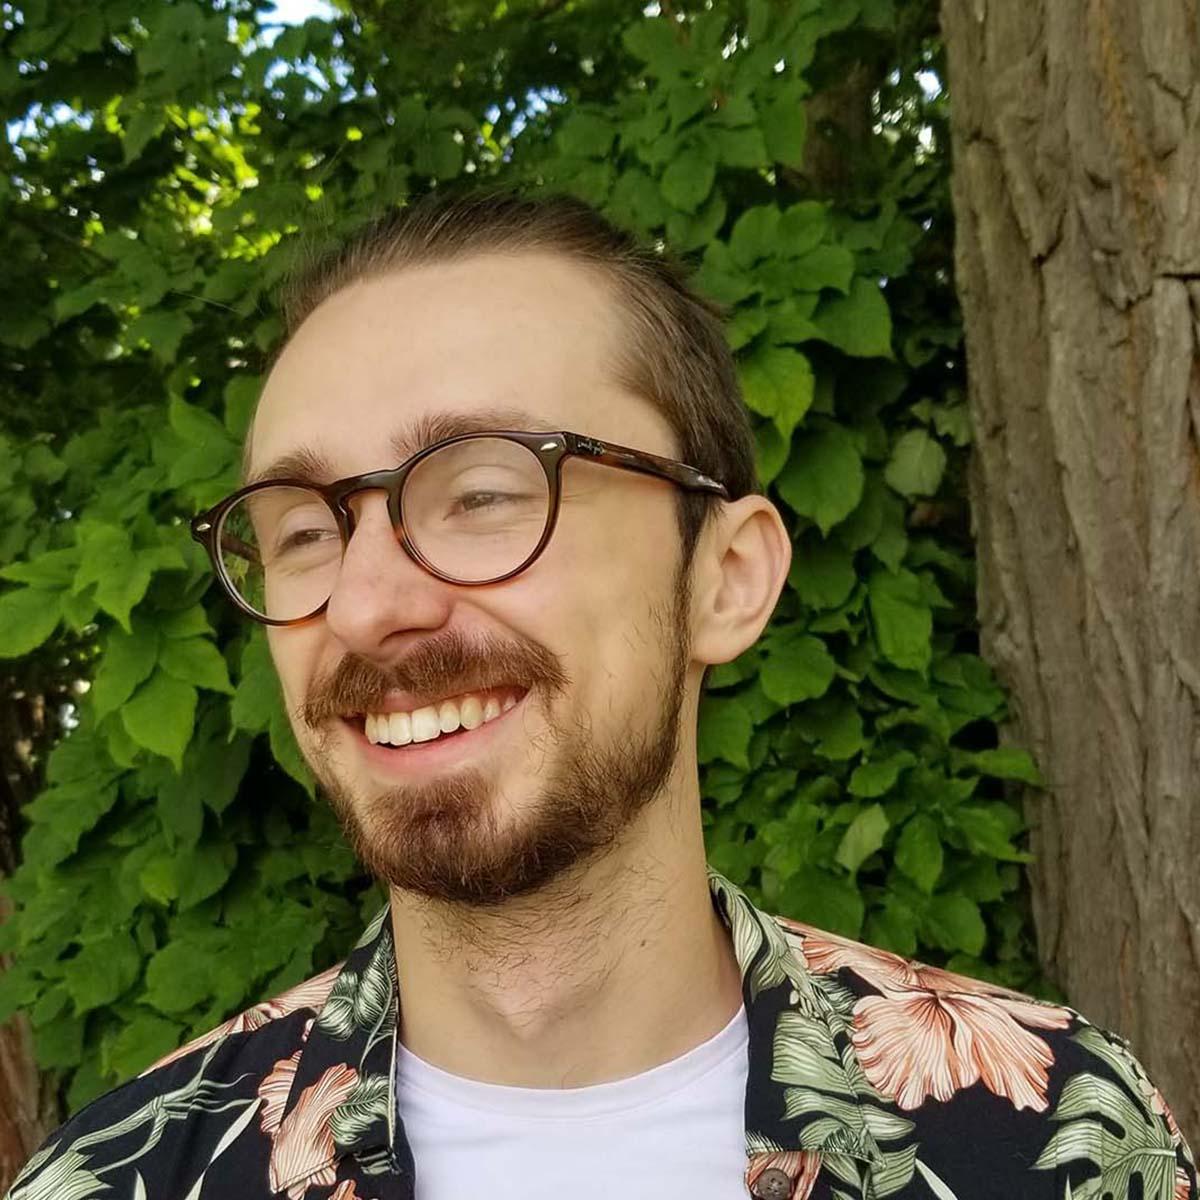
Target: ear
(738, 572)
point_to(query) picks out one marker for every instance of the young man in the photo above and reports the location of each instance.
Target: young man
(492, 655)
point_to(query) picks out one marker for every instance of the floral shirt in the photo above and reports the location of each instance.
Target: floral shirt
(869, 1077)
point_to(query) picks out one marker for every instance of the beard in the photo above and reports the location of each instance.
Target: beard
(446, 840)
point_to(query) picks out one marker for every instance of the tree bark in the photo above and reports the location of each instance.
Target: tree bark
(1077, 198)
(26, 1105)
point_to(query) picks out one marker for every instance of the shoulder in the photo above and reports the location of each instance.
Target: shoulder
(954, 1055)
(189, 1106)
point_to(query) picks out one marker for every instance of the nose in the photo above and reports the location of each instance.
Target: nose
(380, 593)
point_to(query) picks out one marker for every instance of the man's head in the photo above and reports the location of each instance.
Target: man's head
(502, 313)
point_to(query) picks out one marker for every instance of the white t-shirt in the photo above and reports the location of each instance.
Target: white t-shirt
(675, 1131)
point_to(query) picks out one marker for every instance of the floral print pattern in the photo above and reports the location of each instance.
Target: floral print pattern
(871, 1077)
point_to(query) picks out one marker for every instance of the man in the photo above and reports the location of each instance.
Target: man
(500, 519)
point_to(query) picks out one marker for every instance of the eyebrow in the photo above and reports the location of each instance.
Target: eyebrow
(310, 465)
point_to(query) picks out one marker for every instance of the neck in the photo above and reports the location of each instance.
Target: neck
(613, 969)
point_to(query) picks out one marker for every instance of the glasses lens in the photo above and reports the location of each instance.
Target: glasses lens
(281, 550)
(476, 510)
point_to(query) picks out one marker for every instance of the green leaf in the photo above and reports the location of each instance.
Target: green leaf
(858, 324)
(917, 464)
(835, 725)
(797, 667)
(50, 571)
(878, 777)
(829, 902)
(825, 267)
(862, 838)
(102, 971)
(287, 752)
(160, 716)
(919, 852)
(989, 831)
(755, 235)
(1006, 762)
(770, 452)
(902, 618)
(777, 382)
(143, 1041)
(162, 330)
(178, 978)
(197, 661)
(822, 573)
(203, 872)
(586, 135)
(28, 616)
(954, 923)
(140, 128)
(688, 179)
(785, 124)
(823, 479)
(656, 41)
(127, 660)
(724, 731)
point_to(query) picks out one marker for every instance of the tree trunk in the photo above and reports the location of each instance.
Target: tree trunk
(25, 1104)
(1077, 200)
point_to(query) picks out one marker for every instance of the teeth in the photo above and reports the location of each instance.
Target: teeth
(400, 729)
(430, 722)
(448, 719)
(471, 713)
(425, 725)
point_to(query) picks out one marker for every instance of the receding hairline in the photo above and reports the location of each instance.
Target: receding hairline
(617, 354)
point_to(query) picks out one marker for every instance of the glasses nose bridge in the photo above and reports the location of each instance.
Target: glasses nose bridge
(389, 481)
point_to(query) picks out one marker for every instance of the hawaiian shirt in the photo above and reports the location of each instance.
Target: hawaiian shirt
(869, 1076)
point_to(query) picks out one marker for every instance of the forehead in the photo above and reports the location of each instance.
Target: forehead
(531, 335)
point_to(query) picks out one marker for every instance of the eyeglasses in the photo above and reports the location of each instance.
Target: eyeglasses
(473, 509)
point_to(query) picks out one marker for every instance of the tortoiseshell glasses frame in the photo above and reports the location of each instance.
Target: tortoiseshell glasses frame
(550, 449)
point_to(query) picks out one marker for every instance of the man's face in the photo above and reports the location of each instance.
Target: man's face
(585, 653)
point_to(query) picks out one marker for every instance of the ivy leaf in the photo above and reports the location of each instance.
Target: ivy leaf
(797, 667)
(777, 382)
(197, 661)
(28, 616)
(823, 479)
(822, 573)
(902, 618)
(917, 464)
(862, 838)
(160, 716)
(127, 660)
(770, 452)
(953, 922)
(829, 902)
(919, 852)
(1006, 762)
(878, 777)
(102, 970)
(825, 267)
(586, 135)
(755, 235)
(724, 731)
(858, 324)
(163, 331)
(689, 178)
(287, 752)
(785, 124)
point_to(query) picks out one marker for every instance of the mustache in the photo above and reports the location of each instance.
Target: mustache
(445, 665)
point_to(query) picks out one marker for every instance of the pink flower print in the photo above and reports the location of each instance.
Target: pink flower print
(303, 1152)
(932, 1033)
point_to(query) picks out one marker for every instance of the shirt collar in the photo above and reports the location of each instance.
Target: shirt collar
(806, 1096)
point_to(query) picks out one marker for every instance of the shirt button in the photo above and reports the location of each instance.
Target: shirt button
(773, 1184)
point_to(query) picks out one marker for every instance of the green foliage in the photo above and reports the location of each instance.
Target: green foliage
(169, 160)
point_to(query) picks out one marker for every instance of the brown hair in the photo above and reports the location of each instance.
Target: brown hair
(675, 355)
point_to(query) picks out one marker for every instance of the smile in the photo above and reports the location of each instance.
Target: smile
(467, 711)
